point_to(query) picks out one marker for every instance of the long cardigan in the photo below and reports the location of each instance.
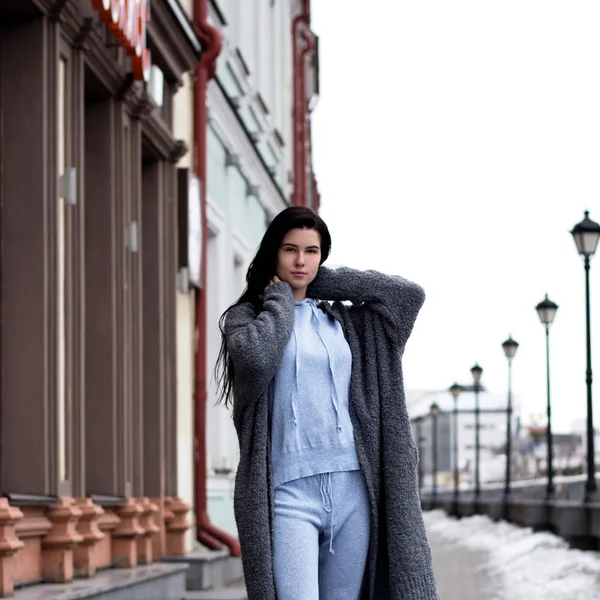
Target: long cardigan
(377, 325)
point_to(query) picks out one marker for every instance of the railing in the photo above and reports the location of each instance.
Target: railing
(567, 512)
(567, 487)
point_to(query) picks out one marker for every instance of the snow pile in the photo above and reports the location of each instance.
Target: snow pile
(527, 565)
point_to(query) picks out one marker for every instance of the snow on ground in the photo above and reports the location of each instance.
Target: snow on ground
(526, 565)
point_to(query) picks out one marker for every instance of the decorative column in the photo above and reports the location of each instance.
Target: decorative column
(145, 554)
(177, 526)
(124, 537)
(9, 544)
(58, 545)
(85, 560)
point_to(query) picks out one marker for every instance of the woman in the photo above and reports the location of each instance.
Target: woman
(326, 498)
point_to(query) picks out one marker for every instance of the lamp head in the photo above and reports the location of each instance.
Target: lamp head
(510, 347)
(586, 234)
(476, 371)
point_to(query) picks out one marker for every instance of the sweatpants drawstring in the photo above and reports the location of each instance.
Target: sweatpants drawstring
(328, 506)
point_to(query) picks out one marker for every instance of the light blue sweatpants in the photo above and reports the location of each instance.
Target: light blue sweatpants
(321, 537)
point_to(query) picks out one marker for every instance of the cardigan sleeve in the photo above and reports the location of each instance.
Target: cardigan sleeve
(256, 341)
(395, 298)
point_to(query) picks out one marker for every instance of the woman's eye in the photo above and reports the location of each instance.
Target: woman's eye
(313, 251)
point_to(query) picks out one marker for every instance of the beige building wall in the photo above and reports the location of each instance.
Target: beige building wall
(187, 6)
(185, 306)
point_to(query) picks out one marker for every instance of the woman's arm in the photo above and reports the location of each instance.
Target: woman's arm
(256, 342)
(398, 299)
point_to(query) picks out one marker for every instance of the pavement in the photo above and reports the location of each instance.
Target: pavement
(459, 572)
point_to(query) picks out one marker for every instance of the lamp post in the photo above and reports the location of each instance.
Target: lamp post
(435, 411)
(476, 371)
(547, 311)
(586, 235)
(455, 390)
(510, 349)
(419, 432)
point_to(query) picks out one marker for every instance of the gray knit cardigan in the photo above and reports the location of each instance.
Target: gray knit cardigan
(377, 325)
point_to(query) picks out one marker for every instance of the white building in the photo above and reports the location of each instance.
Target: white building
(250, 178)
(492, 431)
(579, 427)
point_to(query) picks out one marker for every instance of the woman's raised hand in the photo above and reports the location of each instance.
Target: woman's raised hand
(272, 282)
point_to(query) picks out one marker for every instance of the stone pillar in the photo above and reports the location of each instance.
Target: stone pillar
(107, 523)
(85, 561)
(9, 544)
(58, 545)
(164, 515)
(147, 523)
(177, 526)
(124, 537)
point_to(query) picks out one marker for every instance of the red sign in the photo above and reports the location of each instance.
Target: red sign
(128, 20)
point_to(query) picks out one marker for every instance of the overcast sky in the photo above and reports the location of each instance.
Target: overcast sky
(457, 143)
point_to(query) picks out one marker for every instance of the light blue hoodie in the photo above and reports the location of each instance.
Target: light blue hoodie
(311, 431)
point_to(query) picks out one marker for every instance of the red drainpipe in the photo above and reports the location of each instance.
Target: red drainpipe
(206, 533)
(300, 28)
(316, 195)
(310, 43)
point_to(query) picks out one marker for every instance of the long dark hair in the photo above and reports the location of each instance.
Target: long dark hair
(261, 270)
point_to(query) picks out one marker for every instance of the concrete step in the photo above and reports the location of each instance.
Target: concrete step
(159, 581)
(234, 592)
(209, 569)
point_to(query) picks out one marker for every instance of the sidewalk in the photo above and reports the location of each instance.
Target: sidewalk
(458, 571)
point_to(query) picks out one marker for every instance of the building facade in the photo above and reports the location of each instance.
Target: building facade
(492, 433)
(258, 162)
(89, 236)
(145, 145)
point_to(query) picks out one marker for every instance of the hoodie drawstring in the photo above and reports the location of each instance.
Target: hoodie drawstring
(296, 391)
(332, 388)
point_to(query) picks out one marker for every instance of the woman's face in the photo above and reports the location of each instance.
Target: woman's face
(298, 259)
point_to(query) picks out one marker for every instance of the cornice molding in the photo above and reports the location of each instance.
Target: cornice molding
(160, 137)
(178, 151)
(85, 30)
(112, 75)
(57, 8)
(141, 105)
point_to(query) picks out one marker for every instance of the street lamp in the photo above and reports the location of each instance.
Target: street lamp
(419, 433)
(435, 411)
(455, 390)
(586, 235)
(510, 349)
(476, 371)
(547, 311)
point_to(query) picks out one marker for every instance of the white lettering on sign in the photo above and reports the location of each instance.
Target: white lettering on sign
(128, 20)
